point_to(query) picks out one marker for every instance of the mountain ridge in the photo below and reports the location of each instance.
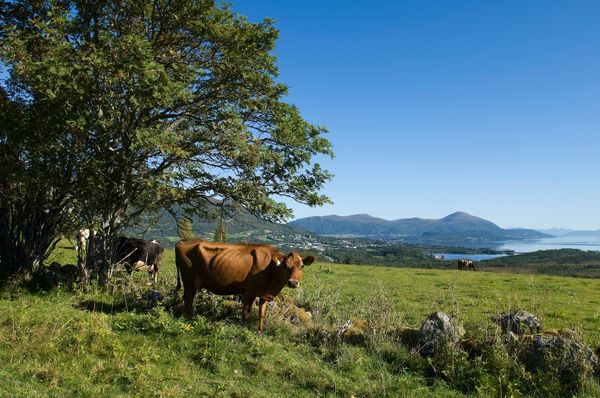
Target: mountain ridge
(456, 229)
(455, 226)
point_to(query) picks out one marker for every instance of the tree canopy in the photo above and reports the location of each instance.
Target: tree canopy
(130, 106)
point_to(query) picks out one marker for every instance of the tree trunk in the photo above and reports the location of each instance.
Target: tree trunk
(31, 221)
(99, 261)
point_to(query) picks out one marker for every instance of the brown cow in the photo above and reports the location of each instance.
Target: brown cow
(464, 264)
(250, 270)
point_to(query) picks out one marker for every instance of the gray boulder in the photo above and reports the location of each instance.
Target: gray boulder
(518, 322)
(438, 334)
(565, 354)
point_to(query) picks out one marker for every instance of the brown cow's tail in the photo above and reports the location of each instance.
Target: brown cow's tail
(178, 272)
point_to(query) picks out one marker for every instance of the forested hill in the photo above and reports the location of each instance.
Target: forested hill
(568, 262)
(456, 226)
(239, 225)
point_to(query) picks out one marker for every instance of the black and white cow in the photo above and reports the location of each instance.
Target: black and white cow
(138, 254)
(466, 264)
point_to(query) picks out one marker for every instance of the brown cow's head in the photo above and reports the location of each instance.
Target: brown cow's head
(294, 264)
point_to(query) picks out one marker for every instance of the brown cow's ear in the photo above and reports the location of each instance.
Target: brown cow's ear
(308, 260)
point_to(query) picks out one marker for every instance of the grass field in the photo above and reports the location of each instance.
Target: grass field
(67, 342)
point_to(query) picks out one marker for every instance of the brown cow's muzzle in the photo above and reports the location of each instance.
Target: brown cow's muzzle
(293, 283)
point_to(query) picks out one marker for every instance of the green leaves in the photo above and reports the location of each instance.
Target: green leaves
(152, 103)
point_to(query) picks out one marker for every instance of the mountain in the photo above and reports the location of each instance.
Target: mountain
(456, 227)
(240, 226)
(584, 233)
(358, 224)
(562, 232)
(556, 231)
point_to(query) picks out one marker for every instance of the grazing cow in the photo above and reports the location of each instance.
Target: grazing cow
(466, 264)
(250, 270)
(138, 254)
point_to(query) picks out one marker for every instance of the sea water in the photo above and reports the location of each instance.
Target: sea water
(581, 242)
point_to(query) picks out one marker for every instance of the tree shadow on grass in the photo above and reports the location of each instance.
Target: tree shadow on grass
(44, 280)
(134, 298)
(106, 307)
(212, 307)
(131, 304)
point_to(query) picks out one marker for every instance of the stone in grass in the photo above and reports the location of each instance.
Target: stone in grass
(518, 322)
(439, 333)
(152, 298)
(285, 306)
(301, 317)
(566, 354)
(354, 330)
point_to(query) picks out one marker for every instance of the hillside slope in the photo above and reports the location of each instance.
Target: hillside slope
(240, 225)
(89, 343)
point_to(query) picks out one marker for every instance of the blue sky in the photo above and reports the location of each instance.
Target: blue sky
(488, 107)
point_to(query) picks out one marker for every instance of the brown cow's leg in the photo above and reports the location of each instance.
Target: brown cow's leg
(246, 306)
(188, 300)
(262, 313)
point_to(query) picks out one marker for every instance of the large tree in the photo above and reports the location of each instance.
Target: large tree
(151, 104)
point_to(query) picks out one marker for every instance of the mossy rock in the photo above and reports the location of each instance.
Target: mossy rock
(302, 316)
(284, 299)
(439, 333)
(564, 355)
(354, 330)
(518, 322)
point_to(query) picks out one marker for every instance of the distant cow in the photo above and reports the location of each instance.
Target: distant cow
(466, 264)
(250, 270)
(138, 254)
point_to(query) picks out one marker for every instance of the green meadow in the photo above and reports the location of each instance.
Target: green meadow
(64, 341)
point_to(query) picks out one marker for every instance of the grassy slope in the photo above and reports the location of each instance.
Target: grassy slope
(65, 343)
(471, 296)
